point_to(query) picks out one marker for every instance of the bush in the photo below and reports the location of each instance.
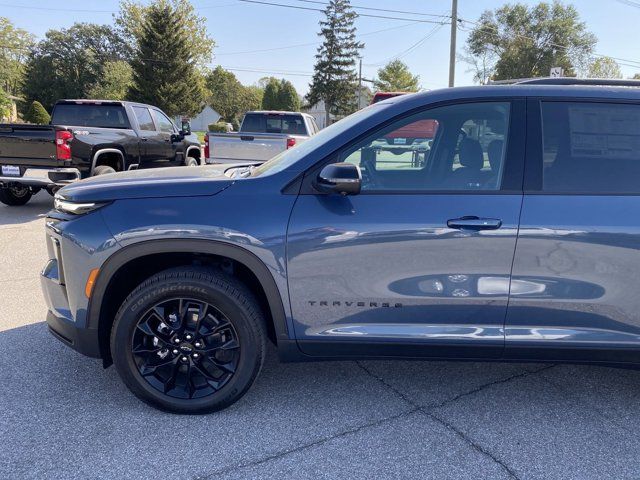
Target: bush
(219, 127)
(37, 114)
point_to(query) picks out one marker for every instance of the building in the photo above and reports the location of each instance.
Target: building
(201, 122)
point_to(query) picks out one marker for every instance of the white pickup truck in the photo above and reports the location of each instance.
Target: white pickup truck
(262, 135)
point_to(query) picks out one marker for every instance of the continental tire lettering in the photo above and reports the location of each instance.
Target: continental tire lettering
(162, 290)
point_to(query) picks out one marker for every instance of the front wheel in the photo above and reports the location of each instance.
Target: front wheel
(189, 340)
(15, 196)
(191, 162)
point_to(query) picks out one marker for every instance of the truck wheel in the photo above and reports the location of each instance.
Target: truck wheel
(191, 162)
(103, 169)
(15, 196)
(189, 340)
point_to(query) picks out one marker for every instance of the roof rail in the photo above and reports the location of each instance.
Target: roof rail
(604, 82)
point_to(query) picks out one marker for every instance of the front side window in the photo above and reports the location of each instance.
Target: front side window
(455, 147)
(144, 118)
(591, 147)
(164, 124)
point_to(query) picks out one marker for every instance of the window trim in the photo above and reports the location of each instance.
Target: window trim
(513, 173)
(534, 161)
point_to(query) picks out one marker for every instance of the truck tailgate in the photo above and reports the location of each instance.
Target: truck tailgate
(32, 145)
(246, 146)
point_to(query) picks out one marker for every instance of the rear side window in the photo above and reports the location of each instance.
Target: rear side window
(144, 118)
(90, 115)
(591, 147)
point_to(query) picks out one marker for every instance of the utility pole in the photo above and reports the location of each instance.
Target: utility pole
(359, 83)
(452, 47)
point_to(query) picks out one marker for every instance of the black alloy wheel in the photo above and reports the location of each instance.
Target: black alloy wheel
(189, 340)
(185, 348)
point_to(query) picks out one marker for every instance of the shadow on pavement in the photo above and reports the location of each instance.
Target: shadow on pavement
(63, 416)
(37, 208)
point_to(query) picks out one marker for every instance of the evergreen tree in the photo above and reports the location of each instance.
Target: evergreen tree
(271, 99)
(37, 114)
(396, 77)
(288, 98)
(164, 68)
(334, 79)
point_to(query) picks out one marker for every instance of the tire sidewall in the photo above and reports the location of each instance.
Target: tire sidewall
(8, 197)
(251, 345)
(191, 162)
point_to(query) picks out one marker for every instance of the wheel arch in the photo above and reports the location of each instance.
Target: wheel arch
(108, 151)
(196, 149)
(98, 308)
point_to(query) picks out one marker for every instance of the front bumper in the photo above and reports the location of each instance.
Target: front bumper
(44, 177)
(61, 325)
(83, 340)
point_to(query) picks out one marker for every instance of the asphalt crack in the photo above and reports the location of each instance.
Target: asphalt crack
(306, 446)
(430, 411)
(469, 441)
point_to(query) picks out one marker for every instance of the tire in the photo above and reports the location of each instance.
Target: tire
(15, 196)
(176, 382)
(102, 170)
(191, 162)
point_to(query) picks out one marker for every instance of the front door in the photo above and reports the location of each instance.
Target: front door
(576, 274)
(419, 262)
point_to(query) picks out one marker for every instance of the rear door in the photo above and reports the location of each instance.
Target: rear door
(576, 274)
(419, 262)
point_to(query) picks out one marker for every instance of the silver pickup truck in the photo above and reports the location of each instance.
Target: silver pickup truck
(262, 135)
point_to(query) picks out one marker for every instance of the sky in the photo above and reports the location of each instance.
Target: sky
(288, 38)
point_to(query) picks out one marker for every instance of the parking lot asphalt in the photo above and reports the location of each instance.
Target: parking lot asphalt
(64, 416)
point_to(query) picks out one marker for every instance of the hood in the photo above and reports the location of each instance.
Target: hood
(154, 182)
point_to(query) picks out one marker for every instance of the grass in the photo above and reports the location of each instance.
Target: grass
(200, 136)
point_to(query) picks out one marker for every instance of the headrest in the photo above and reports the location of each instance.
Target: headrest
(494, 152)
(470, 154)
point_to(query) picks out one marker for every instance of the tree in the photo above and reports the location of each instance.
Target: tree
(523, 41)
(604, 67)
(334, 79)
(15, 44)
(250, 98)
(37, 114)
(67, 63)
(117, 78)
(288, 98)
(130, 25)
(5, 105)
(226, 93)
(636, 76)
(270, 99)
(396, 77)
(164, 66)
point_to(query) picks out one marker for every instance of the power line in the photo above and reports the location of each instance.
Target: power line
(630, 3)
(285, 47)
(297, 7)
(405, 52)
(360, 7)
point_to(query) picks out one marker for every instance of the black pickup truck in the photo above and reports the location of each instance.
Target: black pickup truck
(87, 138)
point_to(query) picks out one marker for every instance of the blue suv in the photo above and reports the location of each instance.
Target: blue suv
(479, 223)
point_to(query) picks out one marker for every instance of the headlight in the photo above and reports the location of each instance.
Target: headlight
(75, 208)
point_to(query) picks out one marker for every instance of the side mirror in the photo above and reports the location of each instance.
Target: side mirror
(342, 178)
(185, 128)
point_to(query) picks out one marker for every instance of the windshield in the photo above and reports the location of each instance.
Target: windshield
(287, 158)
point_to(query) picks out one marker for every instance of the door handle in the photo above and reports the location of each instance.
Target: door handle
(143, 139)
(474, 223)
